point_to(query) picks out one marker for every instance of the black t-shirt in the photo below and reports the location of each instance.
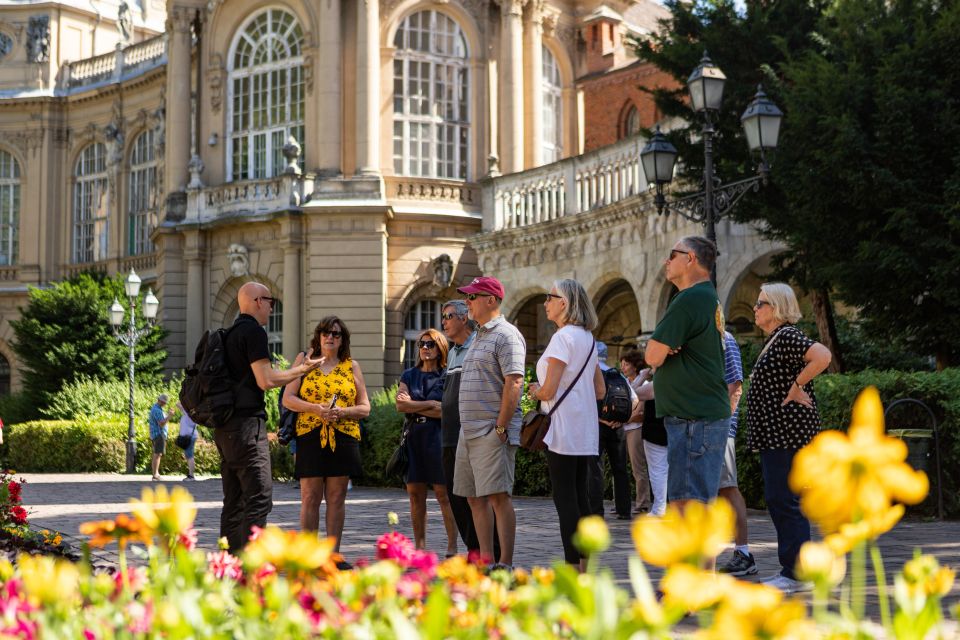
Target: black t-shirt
(653, 430)
(247, 343)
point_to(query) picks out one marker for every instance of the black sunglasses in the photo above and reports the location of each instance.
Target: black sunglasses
(554, 295)
(332, 334)
(449, 316)
(272, 301)
(474, 296)
(675, 252)
(427, 344)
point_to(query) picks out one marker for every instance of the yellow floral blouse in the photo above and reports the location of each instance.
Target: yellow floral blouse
(318, 387)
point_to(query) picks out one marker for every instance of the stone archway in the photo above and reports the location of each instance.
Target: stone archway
(531, 318)
(618, 315)
(743, 294)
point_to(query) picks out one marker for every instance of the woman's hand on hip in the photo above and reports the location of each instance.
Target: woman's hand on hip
(798, 395)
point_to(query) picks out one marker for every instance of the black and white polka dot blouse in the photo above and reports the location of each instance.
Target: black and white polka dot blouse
(770, 425)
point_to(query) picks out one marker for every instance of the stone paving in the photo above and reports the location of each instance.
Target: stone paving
(62, 502)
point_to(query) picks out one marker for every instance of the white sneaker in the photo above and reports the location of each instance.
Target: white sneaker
(786, 584)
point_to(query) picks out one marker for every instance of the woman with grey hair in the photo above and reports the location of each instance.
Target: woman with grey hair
(570, 383)
(782, 417)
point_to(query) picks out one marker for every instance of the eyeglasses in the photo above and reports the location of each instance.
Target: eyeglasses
(332, 334)
(761, 304)
(272, 301)
(427, 344)
(675, 252)
(448, 316)
(554, 295)
(473, 296)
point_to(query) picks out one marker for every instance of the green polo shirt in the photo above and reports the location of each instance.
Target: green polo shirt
(689, 384)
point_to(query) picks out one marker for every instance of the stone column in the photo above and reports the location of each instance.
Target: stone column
(511, 86)
(368, 87)
(178, 125)
(196, 302)
(533, 76)
(292, 332)
(329, 97)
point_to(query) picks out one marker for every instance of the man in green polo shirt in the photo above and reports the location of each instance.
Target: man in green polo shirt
(686, 350)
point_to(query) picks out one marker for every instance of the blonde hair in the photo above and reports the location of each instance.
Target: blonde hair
(783, 300)
(579, 310)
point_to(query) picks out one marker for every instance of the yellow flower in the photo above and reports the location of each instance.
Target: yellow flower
(692, 589)
(163, 513)
(924, 575)
(49, 582)
(818, 563)
(749, 610)
(290, 551)
(845, 478)
(392, 518)
(592, 535)
(689, 537)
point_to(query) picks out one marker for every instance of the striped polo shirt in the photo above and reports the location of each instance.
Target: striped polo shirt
(498, 350)
(732, 372)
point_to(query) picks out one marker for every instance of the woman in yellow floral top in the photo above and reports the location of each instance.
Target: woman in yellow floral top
(328, 437)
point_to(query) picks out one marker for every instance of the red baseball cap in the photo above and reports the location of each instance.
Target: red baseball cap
(484, 284)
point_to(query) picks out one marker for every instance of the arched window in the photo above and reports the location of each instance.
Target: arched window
(266, 95)
(9, 210)
(4, 376)
(275, 329)
(142, 204)
(631, 122)
(90, 221)
(552, 109)
(431, 90)
(423, 315)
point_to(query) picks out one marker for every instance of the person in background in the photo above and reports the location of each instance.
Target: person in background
(419, 396)
(631, 363)
(741, 563)
(328, 431)
(569, 366)
(188, 428)
(782, 418)
(158, 433)
(612, 441)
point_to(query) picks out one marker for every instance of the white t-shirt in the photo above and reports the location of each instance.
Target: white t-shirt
(573, 426)
(187, 426)
(634, 386)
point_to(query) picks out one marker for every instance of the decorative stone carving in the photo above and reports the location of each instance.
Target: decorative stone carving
(38, 39)
(442, 267)
(124, 22)
(308, 73)
(6, 44)
(195, 167)
(215, 74)
(291, 151)
(238, 260)
(25, 141)
(180, 19)
(493, 166)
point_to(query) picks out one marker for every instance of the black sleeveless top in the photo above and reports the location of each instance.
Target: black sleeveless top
(653, 430)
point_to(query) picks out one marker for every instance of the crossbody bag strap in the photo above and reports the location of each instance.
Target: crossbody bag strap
(575, 380)
(765, 347)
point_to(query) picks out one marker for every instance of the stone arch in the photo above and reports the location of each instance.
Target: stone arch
(453, 10)
(744, 288)
(531, 258)
(226, 24)
(516, 260)
(530, 318)
(618, 315)
(18, 157)
(225, 305)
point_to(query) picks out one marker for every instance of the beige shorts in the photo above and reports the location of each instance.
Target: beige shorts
(484, 466)
(728, 474)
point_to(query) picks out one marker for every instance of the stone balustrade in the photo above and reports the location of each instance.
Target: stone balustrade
(141, 264)
(568, 187)
(433, 192)
(114, 66)
(9, 273)
(248, 197)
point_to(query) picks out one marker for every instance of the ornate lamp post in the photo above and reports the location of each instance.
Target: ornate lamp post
(130, 337)
(761, 124)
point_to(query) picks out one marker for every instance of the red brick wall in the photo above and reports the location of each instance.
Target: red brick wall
(607, 99)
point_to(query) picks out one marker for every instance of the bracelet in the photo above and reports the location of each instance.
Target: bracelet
(799, 386)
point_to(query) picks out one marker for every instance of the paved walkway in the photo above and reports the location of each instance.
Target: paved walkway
(62, 502)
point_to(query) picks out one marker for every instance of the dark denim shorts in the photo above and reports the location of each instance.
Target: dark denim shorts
(695, 450)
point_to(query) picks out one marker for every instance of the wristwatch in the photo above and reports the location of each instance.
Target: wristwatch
(500, 430)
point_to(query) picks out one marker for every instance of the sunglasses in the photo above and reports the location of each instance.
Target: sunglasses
(332, 334)
(427, 344)
(272, 301)
(474, 296)
(761, 304)
(554, 295)
(448, 316)
(675, 252)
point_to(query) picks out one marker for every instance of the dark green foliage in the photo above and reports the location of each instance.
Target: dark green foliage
(835, 396)
(63, 334)
(380, 436)
(93, 399)
(16, 407)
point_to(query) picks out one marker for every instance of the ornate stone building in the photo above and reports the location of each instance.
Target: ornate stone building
(344, 152)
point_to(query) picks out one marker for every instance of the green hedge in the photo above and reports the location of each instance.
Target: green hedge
(835, 396)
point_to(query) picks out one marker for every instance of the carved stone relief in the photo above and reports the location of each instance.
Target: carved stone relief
(237, 257)
(6, 44)
(38, 39)
(442, 271)
(215, 77)
(25, 141)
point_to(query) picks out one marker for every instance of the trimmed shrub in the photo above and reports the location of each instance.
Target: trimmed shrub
(96, 399)
(16, 407)
(379, 437)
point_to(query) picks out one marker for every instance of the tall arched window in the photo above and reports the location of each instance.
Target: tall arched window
(552, 109)
(266, 94)
(631, 122)
(90, 207)
(9, 209)
(431, 91)
(142, 208)
(423, 315)
(275, 329)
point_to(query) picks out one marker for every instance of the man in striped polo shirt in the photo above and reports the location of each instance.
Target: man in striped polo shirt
(490, 386)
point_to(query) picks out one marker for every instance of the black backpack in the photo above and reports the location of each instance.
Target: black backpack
(616, 405)
(207, 392)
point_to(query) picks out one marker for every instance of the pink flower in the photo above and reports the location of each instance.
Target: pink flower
(425, 562)
(89, 635)
(255, 533)
(140, 617)
(188, 539)
(223, 565)
(412, 586)
(19, 514)
(477, 558)
(136, 577)
(395, 546)
(265, 571)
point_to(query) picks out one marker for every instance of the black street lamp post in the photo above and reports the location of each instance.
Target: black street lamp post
(761, 125)
(130, 337)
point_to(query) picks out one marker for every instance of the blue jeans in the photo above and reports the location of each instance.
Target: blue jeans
(695, 451)
(793, 529)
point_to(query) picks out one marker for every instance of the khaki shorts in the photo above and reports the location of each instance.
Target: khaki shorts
(728, 474)
(484, 466)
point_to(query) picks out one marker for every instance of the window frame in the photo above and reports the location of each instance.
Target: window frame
(87, 186)
(141, 194)
(11, 201)
(417, 313)
(552, 108)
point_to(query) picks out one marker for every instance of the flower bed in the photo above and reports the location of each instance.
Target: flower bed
(287, 585)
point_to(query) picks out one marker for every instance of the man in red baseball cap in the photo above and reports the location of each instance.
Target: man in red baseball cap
(490, 385)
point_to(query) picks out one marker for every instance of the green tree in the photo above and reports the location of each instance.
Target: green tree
(63, 334)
